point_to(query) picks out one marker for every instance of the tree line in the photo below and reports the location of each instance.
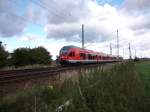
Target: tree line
(24, 56)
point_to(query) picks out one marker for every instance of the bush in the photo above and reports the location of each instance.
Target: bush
(3, 56)
(21, 57)
(40, 56)
(27, 56)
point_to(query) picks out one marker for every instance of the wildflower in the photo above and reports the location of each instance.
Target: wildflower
(50, 87)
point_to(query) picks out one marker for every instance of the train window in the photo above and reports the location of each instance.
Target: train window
(65, 50)
(72, 54)
(83, 55)
(80, 54)
(89, 56)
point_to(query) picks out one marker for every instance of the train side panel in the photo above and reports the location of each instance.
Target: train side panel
(75, 55)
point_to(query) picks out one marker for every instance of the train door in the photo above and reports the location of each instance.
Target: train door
(82, 56)
(71, 55)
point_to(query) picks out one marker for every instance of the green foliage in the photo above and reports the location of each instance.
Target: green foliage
(40, 99)
(3, 56)
(21, 56)
(40, 56)
(119, 89)
(27, 56)
(143, 68)
(24, 56)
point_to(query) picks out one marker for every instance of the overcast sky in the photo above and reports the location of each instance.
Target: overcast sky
(55, 23)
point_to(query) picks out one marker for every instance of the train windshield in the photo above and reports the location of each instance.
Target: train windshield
(64, 50)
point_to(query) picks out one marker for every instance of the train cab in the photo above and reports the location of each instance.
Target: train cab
(67, 54)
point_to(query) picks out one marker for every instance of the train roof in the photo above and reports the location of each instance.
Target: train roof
(70, 46)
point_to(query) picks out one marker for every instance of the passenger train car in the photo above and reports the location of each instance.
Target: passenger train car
(77, 55)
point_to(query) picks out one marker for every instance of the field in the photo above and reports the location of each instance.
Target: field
(122, 88)
(143, 70)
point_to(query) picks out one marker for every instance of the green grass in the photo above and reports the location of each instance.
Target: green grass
(143, 70)
(122, 88)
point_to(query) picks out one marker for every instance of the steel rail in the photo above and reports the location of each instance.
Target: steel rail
(20, 75)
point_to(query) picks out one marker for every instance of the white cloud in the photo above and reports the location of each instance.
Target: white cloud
(11, 24)
(14, 19)
(100, 22)
(136, 5)
(141, 22)
(31, 37)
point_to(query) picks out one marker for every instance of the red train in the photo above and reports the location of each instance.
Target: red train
(76, 55)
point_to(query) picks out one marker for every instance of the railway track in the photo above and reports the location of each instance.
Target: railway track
(27, 74)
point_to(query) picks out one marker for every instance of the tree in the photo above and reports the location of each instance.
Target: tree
(40, 56)
(3, 55)
(21, 57)
(27, 56)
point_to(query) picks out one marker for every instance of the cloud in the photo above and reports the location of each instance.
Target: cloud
(66, 10)
(141, 22)
(31, 37)
(11, 24)
(72, 32)
(35, 14)
(99, 21)
(136, 5)
(14, 18)
(141, 42)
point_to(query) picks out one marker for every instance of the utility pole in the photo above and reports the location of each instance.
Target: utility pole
(117, 44)
(0, 43)
(130, 56)
(110, 49)
(135, 53)
(82, 36)
(123, 52)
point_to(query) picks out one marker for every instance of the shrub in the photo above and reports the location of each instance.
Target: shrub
(3, 56)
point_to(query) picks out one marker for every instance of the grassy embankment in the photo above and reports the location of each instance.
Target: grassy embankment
(123, 88)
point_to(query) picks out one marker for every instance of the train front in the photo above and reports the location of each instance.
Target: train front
(63, 55)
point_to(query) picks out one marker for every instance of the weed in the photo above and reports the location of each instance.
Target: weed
(118, 89)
